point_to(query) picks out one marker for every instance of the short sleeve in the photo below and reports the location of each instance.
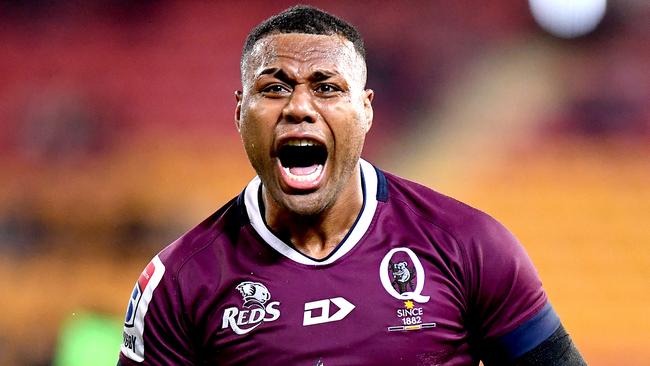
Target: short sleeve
(155, 332)
(509, 309)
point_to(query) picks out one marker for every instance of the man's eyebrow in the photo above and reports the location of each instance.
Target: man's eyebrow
(275, 72)
(321, 75)
(316, 76)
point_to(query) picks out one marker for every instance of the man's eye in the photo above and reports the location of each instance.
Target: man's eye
(275, 89)
(326, 88)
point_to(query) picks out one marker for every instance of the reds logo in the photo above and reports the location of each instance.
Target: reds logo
(254, 293)
(256, 310)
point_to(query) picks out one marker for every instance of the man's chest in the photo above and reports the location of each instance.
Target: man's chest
(383, 305)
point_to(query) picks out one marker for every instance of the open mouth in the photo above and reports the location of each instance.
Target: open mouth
(302, 162)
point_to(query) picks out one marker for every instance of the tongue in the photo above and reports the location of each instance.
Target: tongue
(303, 170)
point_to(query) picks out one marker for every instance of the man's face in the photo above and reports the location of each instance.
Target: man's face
(303, 115)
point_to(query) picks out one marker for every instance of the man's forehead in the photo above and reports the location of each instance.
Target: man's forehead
(332, 50)
(304, 45)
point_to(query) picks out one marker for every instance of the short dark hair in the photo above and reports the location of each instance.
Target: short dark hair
(304, 19)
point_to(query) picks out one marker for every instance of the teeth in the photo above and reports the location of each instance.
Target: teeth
(304, 178)
(301, 142)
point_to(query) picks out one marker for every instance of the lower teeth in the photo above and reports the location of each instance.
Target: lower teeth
(304, 178)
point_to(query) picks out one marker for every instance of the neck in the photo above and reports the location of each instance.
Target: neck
(317, 235)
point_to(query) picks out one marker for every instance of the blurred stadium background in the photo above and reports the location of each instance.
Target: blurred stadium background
(117, 135)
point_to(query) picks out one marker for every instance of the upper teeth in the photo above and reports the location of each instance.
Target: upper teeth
(301, 142)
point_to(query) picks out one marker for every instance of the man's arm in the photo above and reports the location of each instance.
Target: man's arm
(556, 350)
(514, 321)
(540, 341)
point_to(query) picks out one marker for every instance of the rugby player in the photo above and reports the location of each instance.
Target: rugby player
(324, 259)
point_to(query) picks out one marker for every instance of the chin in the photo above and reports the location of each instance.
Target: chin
(304, 205)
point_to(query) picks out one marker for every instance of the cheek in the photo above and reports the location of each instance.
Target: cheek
(251, 138)
(349, 141)
(255, 139)
(254, 131)
(352, 127)
(343, 112)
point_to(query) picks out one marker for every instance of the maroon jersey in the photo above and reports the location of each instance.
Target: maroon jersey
(420, 279)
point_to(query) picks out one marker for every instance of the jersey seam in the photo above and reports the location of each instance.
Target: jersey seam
(217, 234)
(176, 279)
(184, 315)
(196, 251)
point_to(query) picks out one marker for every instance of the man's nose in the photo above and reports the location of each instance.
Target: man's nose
(300, 106)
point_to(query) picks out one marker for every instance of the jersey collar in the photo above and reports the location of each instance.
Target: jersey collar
(370, 183)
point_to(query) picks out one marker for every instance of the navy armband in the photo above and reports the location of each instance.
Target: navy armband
(557, 350)
(531, 333)
(526, 337)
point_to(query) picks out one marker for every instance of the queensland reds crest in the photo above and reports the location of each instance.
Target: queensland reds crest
(402, 275)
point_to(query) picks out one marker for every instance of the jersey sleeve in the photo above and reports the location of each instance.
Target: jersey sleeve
(155, 332)
(509, 309)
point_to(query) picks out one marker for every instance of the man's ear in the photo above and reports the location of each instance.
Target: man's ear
(369, 95)
(238, 96)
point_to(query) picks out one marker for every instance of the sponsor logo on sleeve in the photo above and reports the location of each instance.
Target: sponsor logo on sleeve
(132, 345)
(402, 275)
(255, 310)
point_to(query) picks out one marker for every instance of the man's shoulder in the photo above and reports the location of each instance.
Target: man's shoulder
(218, 228)
(449, 214)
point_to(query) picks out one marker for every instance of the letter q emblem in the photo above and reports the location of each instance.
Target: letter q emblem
(403, 276)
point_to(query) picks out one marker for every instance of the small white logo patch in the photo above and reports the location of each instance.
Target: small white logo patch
(256, 310)
(345, 308)
(133, 346)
